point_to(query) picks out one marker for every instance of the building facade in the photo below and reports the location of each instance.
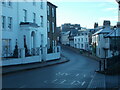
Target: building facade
(81, 41)
(99, 41)
(23, 24)
(51, 26)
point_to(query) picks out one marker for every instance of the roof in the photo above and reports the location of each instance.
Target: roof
(102, 31)
(114, 33)
(51, 4)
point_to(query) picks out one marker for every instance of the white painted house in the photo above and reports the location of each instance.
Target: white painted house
(65, 37)
(112, 42)
(24, 32)
(23, 23)
(99, 41)
(81, 41)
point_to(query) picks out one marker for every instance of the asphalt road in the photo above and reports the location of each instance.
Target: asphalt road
(79, 72)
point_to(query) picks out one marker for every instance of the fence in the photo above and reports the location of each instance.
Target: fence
(33, 55)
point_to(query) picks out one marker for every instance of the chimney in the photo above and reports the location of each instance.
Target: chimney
(118, 28)
(118, 24)
(106, 23)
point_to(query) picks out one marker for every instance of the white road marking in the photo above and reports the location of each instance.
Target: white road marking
(83, 83)
(77, 75)
(54, 80)
(45, 81)
(73, 82)
(84, 75)
(63, 81)
(66, 74)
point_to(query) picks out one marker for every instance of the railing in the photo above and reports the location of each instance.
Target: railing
(21, 53)
(33, 52)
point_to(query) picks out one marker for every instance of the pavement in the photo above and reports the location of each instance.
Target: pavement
(23, 67)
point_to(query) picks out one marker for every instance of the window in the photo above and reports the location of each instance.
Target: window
(99, 51)
(86, 39)
(52, 12)
(41, 21)
(82, 45)
(41, 5)
(3, 2)
(82, 39)
(99, 37)
(34, 3)
(34, 18)
(3, 22)
(53, 27)
(9, 3)
(9, 22)
(48, 45)
(6, 47)
(48, 13)
(25, 15)
(48, 26)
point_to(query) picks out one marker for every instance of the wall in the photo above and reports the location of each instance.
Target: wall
(21, 60)
(53, 56)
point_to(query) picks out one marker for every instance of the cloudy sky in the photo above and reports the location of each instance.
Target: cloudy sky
(86, 12)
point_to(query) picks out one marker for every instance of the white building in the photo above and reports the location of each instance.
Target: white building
(81, 41)
(65, 38)
(99, 41)
(112, 42)
(23, 23)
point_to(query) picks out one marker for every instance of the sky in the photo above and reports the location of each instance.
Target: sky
(86, 12)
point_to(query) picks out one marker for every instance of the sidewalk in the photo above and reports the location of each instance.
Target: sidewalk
(23, 67)
(84, 54)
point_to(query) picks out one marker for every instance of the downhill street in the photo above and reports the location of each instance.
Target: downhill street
(79, 72)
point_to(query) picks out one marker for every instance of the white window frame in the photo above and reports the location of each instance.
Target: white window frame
(53, 12)
(9, 3)
(25, 15)
(41, 17)
(53, 27)
(3, 22)
(34, 2)
(3, 2)
(48, 10)
(41, 4)
(10, 23)
(48, 26)
(34, 17)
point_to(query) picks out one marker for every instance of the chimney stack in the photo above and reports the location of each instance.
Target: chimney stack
(106, 23)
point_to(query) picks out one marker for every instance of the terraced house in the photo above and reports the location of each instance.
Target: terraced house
(24, 28)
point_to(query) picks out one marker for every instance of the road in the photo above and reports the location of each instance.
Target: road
(79, 72)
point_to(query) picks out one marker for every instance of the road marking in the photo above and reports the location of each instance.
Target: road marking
(92, 76)
(84, 75)
(77, 75)
(73, 82)
(66, 74)
(45, 81)
(83, 83)
(54, 80)
(91, 80)
(63, 81)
